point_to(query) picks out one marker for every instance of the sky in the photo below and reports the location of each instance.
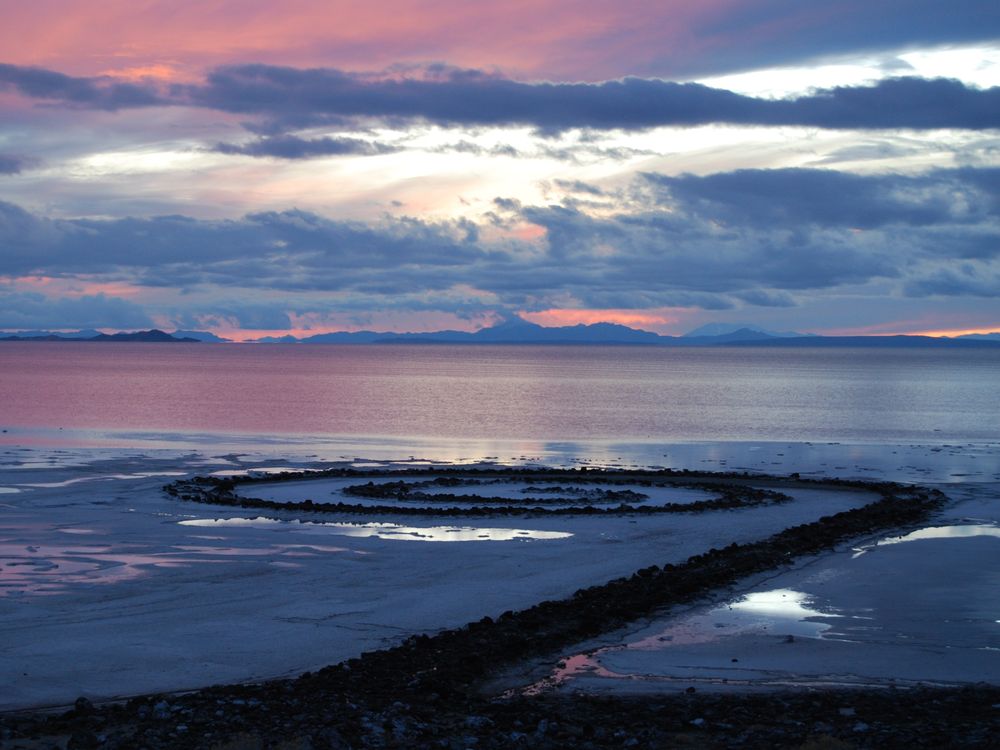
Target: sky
(253, 168)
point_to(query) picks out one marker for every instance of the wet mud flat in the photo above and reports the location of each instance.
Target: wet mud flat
(430, 691)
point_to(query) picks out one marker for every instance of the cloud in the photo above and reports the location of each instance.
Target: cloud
(967, 280)
(287, 98)
(578, 186)
(468, 147)
(765, 298)
(828, 198)
(10, 164)
(867, 151)
(754, 35)
(766, 238)
(293, 147)
(580, 39)
(32, 310)
(92, 93)
(473, 98)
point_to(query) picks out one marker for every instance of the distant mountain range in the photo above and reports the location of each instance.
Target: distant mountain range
(724, 329)
(152, 336)
(520, 331)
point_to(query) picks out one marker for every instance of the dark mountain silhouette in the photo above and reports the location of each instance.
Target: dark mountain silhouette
(724, 329)
(737, 336)
(899, 341)
(87, 333)
(516, 330)
(200, 336)
(519, 331)
(154, 335)
(344, 337)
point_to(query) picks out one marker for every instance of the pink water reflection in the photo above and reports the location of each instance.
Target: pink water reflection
(55, 569)
(502, 392)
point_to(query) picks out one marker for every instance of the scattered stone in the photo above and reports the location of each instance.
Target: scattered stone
(424, 692)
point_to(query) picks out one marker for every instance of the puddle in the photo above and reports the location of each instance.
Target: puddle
(101, 477)
(386, 530)
(778, 612)
(55, 569)
(259, 470)
(52, 569)
(933, 632)
(961, 531)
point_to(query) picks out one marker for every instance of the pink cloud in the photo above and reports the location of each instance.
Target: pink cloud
(73, 287)
(526, 37)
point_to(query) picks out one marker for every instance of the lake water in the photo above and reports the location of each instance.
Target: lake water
(503, 392)
(131, 591)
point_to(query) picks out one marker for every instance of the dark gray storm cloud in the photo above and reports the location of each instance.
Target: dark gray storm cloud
(286, 99)
(293, 147)
(750, 237)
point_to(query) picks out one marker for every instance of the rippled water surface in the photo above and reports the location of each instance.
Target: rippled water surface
(504, 392)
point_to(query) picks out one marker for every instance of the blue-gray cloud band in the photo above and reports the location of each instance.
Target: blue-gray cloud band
(11, 164)
(286, 98)
(757, 237)
(293, 147)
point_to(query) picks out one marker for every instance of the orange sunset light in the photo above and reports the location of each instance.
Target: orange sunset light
(913, 328)
(644, 319)
(952, 332)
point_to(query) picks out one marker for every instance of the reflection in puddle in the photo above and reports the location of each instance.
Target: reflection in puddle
(54, 569)
(102, 477)
(260, 470)
(388, 530)
(772, 616)
(779, 612)
(963, 531)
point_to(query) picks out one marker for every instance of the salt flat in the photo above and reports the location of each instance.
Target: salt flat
(915, 608)
(111, 588)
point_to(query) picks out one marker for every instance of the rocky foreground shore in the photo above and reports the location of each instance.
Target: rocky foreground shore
(427, 691)
(285, 716)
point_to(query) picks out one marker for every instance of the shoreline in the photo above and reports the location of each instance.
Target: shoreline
(438, 675)
(291, 700)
